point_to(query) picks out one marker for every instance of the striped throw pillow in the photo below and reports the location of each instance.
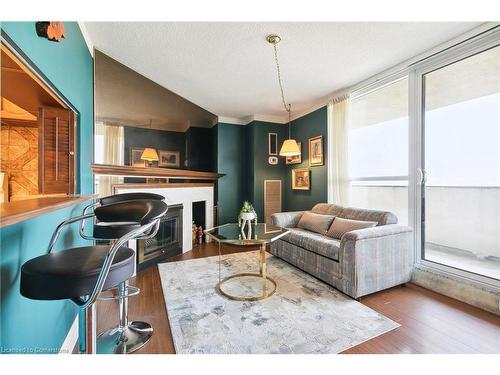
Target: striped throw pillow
(315, 222)
(341, 226)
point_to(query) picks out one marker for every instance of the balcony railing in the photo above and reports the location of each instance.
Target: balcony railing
(462, 224)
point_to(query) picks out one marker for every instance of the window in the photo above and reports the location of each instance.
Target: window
(461, 159)
(378, 149)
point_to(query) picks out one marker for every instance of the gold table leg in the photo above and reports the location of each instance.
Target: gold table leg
(261, 275)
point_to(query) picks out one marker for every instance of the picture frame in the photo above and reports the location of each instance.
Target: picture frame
(273, 144)
(301, 179)
(297, 159)
(135, 157)
(170, 159)
(316, 156)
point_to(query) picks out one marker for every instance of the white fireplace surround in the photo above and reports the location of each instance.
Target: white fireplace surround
(184, 194)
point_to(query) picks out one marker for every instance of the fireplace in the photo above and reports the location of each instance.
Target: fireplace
(167, 242)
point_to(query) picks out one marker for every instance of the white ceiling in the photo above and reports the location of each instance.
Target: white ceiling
(229, 68)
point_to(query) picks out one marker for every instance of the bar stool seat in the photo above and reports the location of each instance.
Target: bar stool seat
(73, 273)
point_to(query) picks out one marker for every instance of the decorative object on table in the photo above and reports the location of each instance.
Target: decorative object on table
(169, 159)
(289, 147)
(273, 160)
(273, 144)
(247, 214)
(52, 30)
(304, 315)
(316, 151)
(199, 235)
(295, 159)
(149, 155)
(301, 179)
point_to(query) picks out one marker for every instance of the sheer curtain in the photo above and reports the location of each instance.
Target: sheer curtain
(113, 154)
(338, 167)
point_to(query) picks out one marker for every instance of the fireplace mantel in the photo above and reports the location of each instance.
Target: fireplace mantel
(128, 171)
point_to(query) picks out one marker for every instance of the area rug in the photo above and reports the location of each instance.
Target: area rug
(305, 315)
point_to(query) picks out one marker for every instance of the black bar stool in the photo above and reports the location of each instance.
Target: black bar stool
(81, 273)
(126, 337)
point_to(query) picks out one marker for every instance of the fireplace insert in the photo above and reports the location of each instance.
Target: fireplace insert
(167, 242)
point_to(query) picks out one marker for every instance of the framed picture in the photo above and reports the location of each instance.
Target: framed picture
(297, 159)
(135, 157)
(316, 151)
(301, 179)
(273, 144)
(169, 159)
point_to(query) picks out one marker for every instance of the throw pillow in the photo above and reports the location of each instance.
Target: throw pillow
(315, 222)
(341, 226)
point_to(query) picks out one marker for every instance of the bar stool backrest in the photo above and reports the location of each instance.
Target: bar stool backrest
(141, 211)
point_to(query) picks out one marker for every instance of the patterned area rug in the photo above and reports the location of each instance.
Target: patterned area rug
(305, 315)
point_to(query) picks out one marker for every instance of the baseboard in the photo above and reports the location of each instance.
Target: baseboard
(71, 339)
(468, 292)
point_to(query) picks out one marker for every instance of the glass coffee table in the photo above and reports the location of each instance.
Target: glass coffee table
(255, 234)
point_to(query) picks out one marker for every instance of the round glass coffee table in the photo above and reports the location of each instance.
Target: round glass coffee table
(255, 234)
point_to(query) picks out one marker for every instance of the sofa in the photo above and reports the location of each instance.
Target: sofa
(361, 261)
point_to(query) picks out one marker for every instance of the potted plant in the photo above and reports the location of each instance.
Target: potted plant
(247, 214)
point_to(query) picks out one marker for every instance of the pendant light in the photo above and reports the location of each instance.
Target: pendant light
(290, 146)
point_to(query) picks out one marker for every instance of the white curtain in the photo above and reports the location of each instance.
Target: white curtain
(338, 167)
(114, 155)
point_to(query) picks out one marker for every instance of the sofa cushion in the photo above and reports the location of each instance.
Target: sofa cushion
(327, 209)
(341, 226)
(317, 243)
(315, 222)
(361, 214)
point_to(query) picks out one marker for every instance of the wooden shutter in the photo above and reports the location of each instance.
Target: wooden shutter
(56, 142)
(272, 199)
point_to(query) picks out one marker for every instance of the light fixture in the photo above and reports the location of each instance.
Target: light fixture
(149, 155)
(290, 146)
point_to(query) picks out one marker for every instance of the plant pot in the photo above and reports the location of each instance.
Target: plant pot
(247, 216)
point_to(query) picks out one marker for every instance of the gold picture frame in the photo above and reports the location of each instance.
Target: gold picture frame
(296, 159)
(135, 157)
(170, 159)
(301, 179)
(316, 156)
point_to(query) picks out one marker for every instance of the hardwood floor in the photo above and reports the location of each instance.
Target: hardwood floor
(430, 322)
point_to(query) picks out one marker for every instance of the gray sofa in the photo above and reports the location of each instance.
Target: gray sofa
(363, 261)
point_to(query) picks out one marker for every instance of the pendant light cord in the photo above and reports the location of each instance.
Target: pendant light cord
(287, 109)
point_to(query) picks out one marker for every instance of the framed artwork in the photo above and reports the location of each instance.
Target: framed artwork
(301, 179)
(135, 157)
(169, 159)
(273, 144)
(316, 151)
(297, 159)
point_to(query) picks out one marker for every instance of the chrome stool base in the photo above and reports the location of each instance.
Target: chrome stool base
(124, 340)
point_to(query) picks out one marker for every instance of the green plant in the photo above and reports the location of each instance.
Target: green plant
(247, 208)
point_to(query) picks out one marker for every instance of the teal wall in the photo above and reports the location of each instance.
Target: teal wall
(258, 154)
(308, 126)
(232, 161)
(41, 326)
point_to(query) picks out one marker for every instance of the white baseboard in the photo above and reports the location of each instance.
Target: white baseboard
(71, 339)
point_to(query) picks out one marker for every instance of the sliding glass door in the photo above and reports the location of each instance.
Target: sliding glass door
(459, 160)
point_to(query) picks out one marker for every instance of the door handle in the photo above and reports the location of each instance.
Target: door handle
(423, 176)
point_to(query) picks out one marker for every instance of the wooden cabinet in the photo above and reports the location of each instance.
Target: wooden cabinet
(56, 144)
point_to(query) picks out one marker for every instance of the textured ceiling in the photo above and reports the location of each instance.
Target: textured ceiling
(228, 68)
